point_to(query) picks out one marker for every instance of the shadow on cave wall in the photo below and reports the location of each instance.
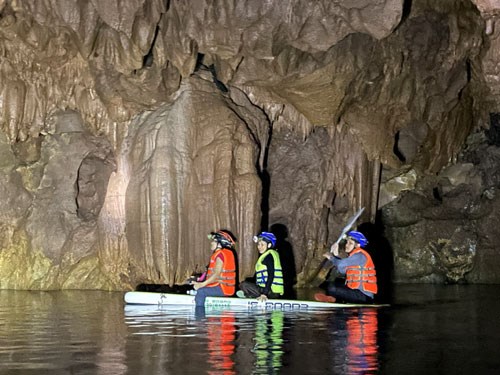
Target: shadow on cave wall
(285, 250)
(382, 255)
(493, 133)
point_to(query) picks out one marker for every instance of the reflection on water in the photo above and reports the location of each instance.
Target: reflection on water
(61, 332)
(221, 334)
(253, 339)
(258, 342)
(269, 341)
(362, 347)
(454, 329)
(355, 335)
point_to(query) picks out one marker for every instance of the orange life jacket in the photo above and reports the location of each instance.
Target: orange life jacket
(362, 277)
(227, 280)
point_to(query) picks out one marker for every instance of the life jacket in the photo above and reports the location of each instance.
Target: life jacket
(363, 277)
(261, 272)
(227, 280)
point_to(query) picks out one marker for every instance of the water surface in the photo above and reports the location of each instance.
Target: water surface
(427, 329)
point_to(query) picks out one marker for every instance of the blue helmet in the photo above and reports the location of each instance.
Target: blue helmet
(358, 237)
(267, 237)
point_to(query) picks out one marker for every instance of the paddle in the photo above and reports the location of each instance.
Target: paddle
(325, 266)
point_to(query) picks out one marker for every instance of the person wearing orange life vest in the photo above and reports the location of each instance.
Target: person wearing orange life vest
(361, 277)
(220, 278)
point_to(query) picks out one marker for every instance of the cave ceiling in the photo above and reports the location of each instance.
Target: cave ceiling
(170, 116)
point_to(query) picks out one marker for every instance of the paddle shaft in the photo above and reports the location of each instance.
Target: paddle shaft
(349, 225)
(326, 264)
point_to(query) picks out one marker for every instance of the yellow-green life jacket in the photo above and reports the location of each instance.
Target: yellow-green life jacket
(261, 272)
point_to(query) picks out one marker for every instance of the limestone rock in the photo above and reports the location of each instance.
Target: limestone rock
(130, 129)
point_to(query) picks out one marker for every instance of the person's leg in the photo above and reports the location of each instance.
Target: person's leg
(343, 293)
(274, 296)
(250, 289)
(208, 291)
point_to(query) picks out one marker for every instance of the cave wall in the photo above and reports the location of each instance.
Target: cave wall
(130, 129)
(445, 227)
(193, 164)
(49, 236)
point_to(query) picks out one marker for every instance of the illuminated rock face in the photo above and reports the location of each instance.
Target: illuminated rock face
(131, 129)
(192, 171)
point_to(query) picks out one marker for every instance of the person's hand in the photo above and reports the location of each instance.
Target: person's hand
(262, 298)
(335, 249)
(197, 285)
(328, 256)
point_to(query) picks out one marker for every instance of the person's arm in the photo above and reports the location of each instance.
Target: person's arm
(333, 250)
(354, 260)
(213, 277)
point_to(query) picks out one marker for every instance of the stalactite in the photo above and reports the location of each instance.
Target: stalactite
(319, 88)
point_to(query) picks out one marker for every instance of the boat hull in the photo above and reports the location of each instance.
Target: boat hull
(169, 299)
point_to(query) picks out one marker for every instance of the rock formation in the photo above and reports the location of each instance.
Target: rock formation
(131, 129)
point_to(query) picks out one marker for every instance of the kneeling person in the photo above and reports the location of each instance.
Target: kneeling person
(268, 271)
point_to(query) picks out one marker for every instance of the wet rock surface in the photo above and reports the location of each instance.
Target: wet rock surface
(443, 231)
(130, 129)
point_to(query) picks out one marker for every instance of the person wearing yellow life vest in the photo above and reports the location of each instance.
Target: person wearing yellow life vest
(361, 277)
(268, 271)
(220, 279)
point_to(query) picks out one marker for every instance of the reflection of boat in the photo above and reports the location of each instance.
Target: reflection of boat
(156, 310)
(168, 299)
